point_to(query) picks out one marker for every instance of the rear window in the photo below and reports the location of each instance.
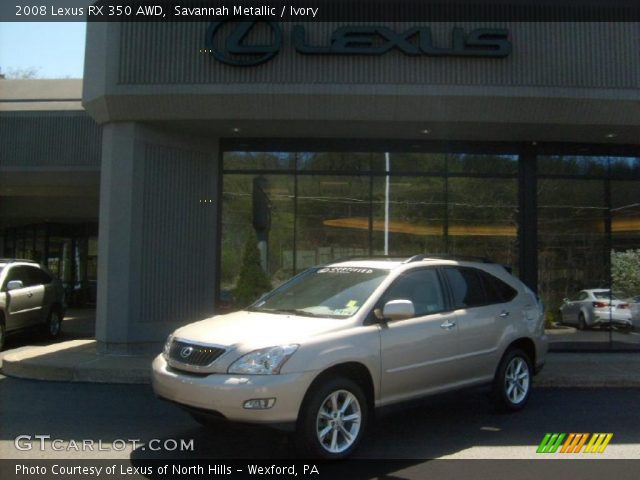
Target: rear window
(471, 287)
(497, 290)
(604, 295)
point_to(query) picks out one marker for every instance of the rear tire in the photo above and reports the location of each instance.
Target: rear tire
(513, 381)
(3, 332)
(582, 324)
(332, 420)
(53, 326)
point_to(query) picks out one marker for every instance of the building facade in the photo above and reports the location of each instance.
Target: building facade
(529, 156)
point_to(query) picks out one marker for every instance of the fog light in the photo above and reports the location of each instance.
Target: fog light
(259, 403)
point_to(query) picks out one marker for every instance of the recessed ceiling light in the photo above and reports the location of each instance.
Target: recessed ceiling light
(425, 131)
(235, 130)
(611, 135)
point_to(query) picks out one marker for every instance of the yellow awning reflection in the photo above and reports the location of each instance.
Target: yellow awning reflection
(395, 226)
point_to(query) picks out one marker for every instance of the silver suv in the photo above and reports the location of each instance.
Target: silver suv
(29, 297)
(325, 349)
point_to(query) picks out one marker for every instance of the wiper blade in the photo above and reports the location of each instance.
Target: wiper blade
(294, 311)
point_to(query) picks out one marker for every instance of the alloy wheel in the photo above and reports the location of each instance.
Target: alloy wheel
(517, 380)
(338, 421)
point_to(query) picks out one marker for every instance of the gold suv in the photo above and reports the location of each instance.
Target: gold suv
(320, 353)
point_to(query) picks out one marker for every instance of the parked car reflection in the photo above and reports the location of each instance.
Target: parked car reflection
(634, 307)
(595, 308)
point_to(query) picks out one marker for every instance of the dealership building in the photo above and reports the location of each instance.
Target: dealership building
(141, 185)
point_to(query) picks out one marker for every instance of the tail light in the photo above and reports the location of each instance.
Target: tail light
(600, 304)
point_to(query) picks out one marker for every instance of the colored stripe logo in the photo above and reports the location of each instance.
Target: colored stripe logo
(574, 442)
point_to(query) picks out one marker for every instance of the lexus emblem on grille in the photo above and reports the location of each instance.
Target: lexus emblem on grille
(186, 351)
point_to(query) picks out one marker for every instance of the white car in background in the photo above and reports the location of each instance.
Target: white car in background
(597, 307)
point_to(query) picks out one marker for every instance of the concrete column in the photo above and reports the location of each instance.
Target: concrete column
(157, 236)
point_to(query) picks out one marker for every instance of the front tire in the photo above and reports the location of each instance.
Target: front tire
(333, 419)
(512, 383)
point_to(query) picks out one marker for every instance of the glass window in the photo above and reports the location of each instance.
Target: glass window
(275, 243)
(258, 161)
(401, 162)
(421, 287)
(496, 290)
(572, 253)
(335, 161)
(625, 256)
(582, 296)
(36, 276)
(466, 287)
(413, 211)
(483, 218)
(468, 163)
(332, 218)
(18, 273)
(579, 165)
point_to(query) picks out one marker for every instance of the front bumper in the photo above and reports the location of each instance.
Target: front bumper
(226, 393)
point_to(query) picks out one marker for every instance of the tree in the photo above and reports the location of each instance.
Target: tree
(253, 281)
(625, 272)
(23, 73)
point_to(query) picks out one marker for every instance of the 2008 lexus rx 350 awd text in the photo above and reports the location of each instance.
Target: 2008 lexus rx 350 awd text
(325, 349)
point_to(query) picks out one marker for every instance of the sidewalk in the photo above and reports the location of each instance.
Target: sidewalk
(77, 360)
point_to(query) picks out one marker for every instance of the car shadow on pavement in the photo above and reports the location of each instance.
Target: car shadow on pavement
(78, 323)
(463, 424)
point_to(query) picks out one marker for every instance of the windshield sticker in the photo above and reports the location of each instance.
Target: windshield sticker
(345, 311)
(352, 303)
(345, 270)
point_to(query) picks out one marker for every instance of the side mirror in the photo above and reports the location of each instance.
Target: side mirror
(398, 310)
(565, 300)
(14, 285)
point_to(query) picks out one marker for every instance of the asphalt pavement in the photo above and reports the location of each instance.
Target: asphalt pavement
(454, 426)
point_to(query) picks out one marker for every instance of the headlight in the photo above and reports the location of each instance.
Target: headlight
(167, 345)
(266, 361)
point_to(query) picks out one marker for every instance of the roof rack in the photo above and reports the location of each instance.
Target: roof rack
(390, 258)
(441, 256)
(12, 260)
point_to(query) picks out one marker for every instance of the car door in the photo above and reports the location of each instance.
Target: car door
(482, 319)
(35, 290)
(418, 354)
(571, 308)
(19, 309)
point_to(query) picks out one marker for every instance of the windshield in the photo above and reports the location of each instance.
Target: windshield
(334, 292)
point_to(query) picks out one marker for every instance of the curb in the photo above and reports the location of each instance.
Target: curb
(76, 361)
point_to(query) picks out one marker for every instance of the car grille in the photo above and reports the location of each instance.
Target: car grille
(193, 354)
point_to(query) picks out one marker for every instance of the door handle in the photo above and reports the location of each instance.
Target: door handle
(448, 325)
(504, 314)
(29, 294)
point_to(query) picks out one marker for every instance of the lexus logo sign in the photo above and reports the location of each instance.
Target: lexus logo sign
(236, 51)
(228, 42)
